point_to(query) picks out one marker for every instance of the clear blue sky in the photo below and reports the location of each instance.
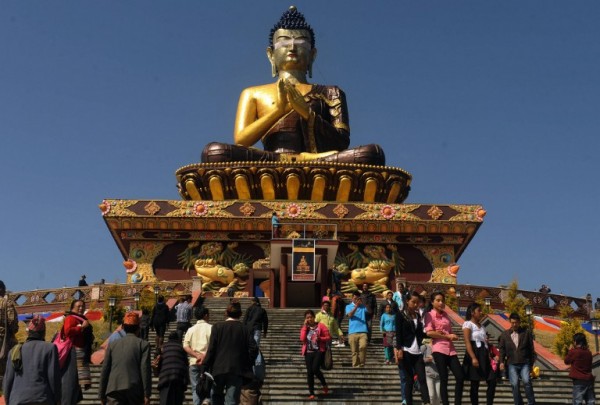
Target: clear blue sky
(484, 102)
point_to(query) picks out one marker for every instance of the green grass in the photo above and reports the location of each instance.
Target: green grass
(546, 339)
(101, 332)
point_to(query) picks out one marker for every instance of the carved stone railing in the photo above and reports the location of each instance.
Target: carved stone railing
(60, 298)
(542, 303)
(54, 299)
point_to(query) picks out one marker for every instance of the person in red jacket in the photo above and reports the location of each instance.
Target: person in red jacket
(579, 358)
(314, 337)
(80, 331)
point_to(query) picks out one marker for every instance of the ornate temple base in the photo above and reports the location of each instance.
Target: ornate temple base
(230, 244)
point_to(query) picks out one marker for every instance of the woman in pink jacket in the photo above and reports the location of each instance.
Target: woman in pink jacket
(314, 337)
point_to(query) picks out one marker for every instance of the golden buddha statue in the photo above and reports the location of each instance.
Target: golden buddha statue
(295, 120)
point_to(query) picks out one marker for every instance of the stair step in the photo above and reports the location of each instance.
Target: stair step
(375, 384)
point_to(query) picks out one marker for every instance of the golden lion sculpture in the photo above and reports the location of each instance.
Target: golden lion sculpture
(214, 276)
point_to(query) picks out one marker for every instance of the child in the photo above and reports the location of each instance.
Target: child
(387, 325)
(579, 358)
(433, 378)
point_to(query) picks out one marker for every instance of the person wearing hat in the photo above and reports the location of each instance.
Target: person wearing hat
(9, 325)
(32, 371)
(82, 282)
(126, 375)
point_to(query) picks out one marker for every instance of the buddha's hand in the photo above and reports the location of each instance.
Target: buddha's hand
(281, 103)
(296, 100)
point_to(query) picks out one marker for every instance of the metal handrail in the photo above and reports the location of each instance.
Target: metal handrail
(303, 233)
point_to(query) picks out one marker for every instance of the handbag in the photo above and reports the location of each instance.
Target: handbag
(388, 339)
(64, 346)
(327, 359)
(205, 384)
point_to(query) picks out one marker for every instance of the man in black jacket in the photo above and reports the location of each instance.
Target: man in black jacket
(231, 353)
(517, 350)
(256, 319)
(368, 298)
(159, 321)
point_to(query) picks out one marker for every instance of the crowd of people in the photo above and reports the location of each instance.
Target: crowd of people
(40, 372)
(222, 362)
(420, 340)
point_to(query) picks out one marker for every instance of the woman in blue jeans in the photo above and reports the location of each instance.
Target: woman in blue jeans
(579, 358)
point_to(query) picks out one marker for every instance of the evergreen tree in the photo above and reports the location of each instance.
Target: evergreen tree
(451, 300)
(118, 310)
(147, 300)
(569, 327)
(484, 308)
(515, 302)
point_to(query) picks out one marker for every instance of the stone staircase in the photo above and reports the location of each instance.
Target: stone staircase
(377, 383)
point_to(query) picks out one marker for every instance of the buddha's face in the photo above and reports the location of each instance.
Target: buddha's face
(291, 50)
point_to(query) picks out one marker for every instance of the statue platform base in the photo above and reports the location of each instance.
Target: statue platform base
(310, 180)
(231, 246)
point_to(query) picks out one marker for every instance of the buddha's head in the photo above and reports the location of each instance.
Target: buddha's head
(291, 44)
